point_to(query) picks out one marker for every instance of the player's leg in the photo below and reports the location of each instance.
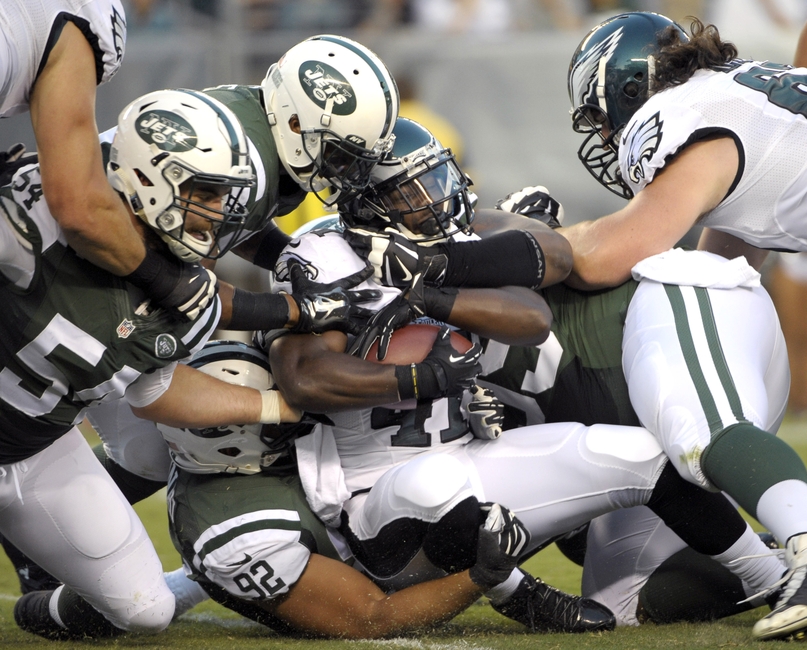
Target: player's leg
(707, 371)
(246, 539)
(420, 520)
(63, 511)
(634, 561)
(135, 455)
(559, 476)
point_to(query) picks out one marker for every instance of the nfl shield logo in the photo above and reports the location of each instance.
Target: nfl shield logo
(125, 328)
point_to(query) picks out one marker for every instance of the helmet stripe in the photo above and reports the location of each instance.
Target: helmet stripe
(373, 66)
(231, 131)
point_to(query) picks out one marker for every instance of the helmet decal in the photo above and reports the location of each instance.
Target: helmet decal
(327, 88)
(167, 131)
(586, 72)
(642, 142)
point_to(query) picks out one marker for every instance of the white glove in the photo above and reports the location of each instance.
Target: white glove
(485, 413)
(534, 203)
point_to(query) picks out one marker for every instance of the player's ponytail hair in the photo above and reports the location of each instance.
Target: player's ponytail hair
(678, 60)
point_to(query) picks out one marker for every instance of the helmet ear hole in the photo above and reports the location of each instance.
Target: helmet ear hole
(631, 89)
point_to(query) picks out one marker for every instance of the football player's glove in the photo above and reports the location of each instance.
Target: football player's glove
(485, 413)
(397, 260)
(443, 373)
(183, 288)
(333, 305)
(534, 203)
(502, 539)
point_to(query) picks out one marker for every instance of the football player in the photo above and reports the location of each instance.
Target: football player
(321, 119)
(76, 335)
(240, 519)
(56, 53)
(690, 134)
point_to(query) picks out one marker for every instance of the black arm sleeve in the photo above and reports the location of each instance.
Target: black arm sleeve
(511, 258)
(258, 311)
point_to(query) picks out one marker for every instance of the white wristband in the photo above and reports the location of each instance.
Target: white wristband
(270, 407)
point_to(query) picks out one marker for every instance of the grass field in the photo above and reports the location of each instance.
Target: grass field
(211, 627)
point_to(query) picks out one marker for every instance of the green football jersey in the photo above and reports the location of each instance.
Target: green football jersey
(275, 193)
(576, 375)
(72, 335)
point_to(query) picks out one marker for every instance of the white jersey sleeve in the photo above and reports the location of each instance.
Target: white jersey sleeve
(26, 29)
(761, 107)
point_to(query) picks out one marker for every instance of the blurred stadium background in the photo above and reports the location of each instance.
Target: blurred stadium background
(494, 90)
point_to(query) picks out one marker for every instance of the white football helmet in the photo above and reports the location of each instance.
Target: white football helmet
(237, 448)
(332, 105)
(167, 144)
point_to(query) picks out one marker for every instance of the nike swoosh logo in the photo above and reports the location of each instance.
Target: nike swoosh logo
(407, 275)
(454, 359)
(247, 558)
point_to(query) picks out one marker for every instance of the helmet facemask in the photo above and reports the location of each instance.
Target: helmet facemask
(226, 224)
(434, 185)
(600, 153)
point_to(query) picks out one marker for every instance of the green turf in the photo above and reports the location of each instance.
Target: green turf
(210, 627)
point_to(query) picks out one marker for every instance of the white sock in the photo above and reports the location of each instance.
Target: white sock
(53, 606)
(782, 509)
(758, 573)
(188, 594)
(501, 592)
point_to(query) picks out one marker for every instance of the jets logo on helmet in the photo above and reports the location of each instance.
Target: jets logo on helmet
(166, 131)
(324, 84)
(643, 142)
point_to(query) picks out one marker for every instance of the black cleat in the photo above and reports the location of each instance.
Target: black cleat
(545, 609)
(32, 614)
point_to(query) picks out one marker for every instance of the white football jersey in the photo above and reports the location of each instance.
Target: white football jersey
(370, 441)
(25, 30)
(763, 107)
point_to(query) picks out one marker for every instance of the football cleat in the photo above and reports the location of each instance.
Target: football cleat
(545, 609)
(32, 614)
(789, 617)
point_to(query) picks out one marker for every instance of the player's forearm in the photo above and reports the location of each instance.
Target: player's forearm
(196, 400)
(422, 606)
(511, 315)
(325, 382)
(594, 267)
(74, 183)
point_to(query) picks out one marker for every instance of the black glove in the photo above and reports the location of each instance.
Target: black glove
(534, 203)
(12, 160)
(183, 289)
(396, 260)
(485, 413)
(381, 326)
(502, 539)
(330, 306)
(443, 373)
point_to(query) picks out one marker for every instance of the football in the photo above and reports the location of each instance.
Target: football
(412, 344)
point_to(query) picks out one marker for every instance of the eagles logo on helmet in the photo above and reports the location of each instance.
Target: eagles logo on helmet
(610, 78)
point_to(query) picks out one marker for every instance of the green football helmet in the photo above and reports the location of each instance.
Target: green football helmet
(609, 80)
(418, 174)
